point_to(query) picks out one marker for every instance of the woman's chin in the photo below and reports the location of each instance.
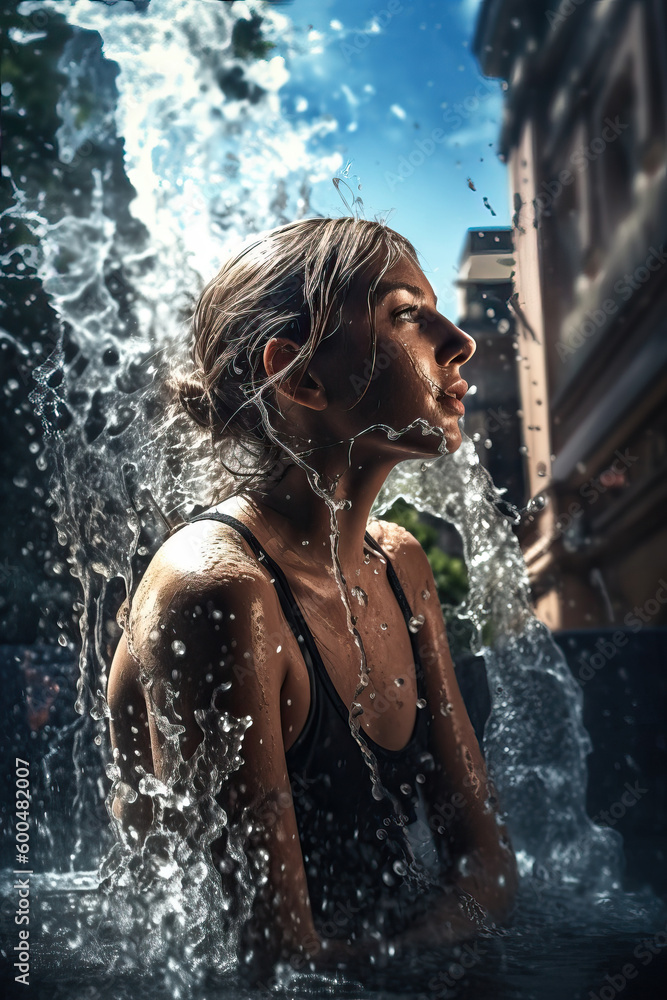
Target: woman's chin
(429, 446)
(454, 440)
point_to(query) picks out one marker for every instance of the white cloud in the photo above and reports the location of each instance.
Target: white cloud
(486, 131)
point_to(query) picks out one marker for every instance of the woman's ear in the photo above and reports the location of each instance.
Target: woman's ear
(301, 386)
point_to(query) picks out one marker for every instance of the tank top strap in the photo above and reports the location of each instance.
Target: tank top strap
(288, 604)
(404, 605)
(292, 611)
(243, 529)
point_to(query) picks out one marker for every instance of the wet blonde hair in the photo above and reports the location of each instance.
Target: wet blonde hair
(291, 282)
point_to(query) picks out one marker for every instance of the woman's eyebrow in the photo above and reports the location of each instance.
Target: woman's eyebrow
(384, 287)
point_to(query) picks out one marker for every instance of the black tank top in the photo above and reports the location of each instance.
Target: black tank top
(359, 809)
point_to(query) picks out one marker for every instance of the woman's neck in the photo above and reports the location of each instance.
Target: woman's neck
(299, 518)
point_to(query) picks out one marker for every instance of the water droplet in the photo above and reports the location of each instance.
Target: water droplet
(384, 626)
(360, 595)
(400, 867)
(416, 623)
(305, 543)
(426, 594)
(98, 741)
(178, 647)
(381, 834)
(421, 702)
(125, 792)
(420, 779)
(278, 649)
(398, 681)
(405, 788)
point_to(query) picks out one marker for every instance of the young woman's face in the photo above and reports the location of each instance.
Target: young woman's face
(419, 353)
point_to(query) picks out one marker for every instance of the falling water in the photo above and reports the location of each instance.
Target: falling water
(534, 742)
(209, 172)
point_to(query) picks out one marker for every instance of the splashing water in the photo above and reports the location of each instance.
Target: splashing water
(535, 743)
(203, 185)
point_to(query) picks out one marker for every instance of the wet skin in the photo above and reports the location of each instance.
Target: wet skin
(207, 565)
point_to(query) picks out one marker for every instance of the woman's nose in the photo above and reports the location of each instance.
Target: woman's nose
(455, 347)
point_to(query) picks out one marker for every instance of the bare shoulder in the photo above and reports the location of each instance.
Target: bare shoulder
(394, 538)
(406, 554)
(402, 547)
(201, 586)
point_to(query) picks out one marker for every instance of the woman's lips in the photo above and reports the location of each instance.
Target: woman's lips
(451, 396)
(451, 403)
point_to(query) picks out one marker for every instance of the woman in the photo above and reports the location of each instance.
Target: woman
(320, 362)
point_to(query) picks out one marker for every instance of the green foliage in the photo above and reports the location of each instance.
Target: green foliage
(450, 573)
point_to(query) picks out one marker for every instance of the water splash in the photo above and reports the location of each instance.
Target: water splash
(172, 871)
(535, 743)
(209, 170)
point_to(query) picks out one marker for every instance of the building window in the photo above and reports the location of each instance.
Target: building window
(653, 150)
(618, 159)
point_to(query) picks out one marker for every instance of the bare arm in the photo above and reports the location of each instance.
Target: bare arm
(211, 633)
(460, 798)
(130, 739)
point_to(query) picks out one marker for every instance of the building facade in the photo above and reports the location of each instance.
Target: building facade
(584, 136)
(484, 287)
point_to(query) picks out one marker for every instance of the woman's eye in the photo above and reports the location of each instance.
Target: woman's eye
(410, 313)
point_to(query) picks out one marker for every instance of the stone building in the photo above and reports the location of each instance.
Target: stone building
(584, 136)
(484, 287)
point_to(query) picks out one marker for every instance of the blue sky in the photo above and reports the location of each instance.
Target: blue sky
(392, 74)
